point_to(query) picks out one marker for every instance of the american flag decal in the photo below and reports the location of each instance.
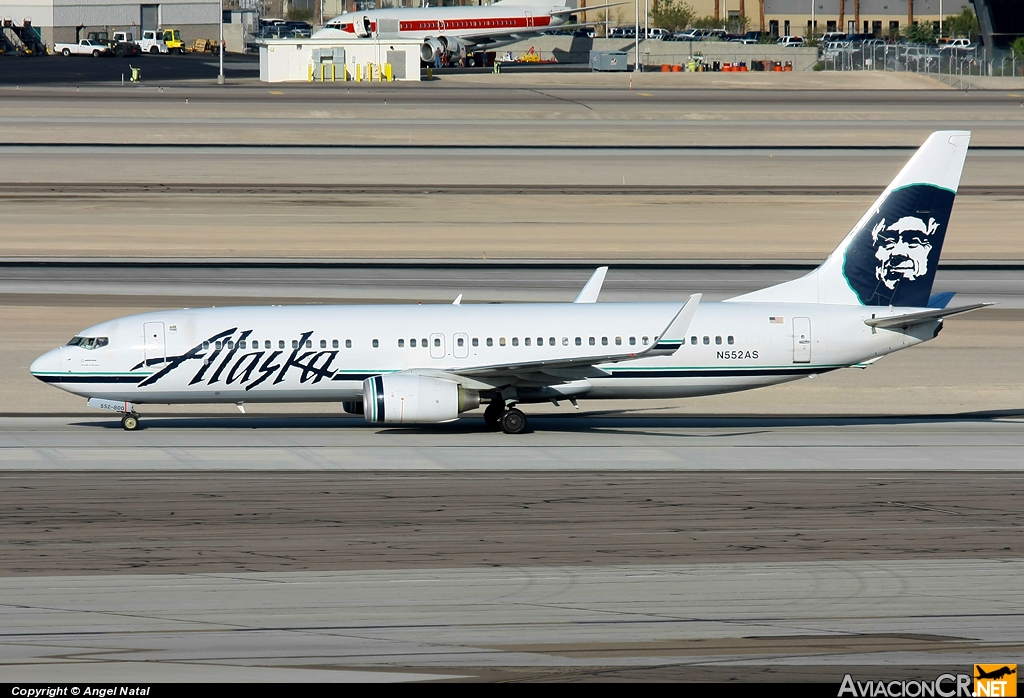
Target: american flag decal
(775, 319)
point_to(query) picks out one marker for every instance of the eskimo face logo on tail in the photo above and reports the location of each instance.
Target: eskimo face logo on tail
(902, 249)
(891, 259)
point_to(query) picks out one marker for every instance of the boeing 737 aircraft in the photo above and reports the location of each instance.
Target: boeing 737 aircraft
(450, 29)
(404, 364)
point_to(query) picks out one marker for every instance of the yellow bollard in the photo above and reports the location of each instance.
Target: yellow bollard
(387, 73)
(332, 72)
(311, 72)
(323, 69)
(430, 73)
(359, 77)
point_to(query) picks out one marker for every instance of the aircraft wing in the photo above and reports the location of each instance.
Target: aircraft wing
(577, 10)
(572, 368)
(923, 316)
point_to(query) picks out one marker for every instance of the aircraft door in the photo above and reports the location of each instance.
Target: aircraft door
(437, 346)
(529, 19)
(154, 340)
(460, 345)
(801, 340)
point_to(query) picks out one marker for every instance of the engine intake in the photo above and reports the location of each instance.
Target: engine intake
(408, 399)
(448, 45)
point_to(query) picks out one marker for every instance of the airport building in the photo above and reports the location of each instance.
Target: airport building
(793, 17)
(69, 20)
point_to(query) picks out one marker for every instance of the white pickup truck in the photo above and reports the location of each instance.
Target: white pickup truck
(153, 42)
(85, 47)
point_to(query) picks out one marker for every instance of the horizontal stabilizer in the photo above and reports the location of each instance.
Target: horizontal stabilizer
(574, 10)
(908, 319)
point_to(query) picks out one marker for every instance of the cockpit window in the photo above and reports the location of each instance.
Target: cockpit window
(89, 342)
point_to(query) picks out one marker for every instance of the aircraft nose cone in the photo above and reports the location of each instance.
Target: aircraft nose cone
(47, 364)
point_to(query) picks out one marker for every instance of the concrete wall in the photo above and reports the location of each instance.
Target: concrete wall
(567, 49)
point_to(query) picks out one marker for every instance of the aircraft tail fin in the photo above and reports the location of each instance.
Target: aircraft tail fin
(890, 256)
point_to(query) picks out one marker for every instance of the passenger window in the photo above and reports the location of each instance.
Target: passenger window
(579, 341)
(618, 341)
(526, 342)
(461, 342)
(540, 341)
(323, 344)
(707, 340)
(437, 341)
(241, 344)
(309, 344)
(565, 341)
(280, 344)
(604, 341)
(490, 342)
(693, 339)
(632, 341)
(334, 344)
(515, 341)
(206, 345)
(295, 344)
(718, 340)
(501, 341)
(476, 341)
(219, 346)
(731, 340)
(551, 341)
(348, 343)
(412, 342)
(644, 341)
(401, 343)
(593, 342)
(376, 344)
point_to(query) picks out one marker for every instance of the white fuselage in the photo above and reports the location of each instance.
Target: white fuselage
(323, 353)
(470, 24)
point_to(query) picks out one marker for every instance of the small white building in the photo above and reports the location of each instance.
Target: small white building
(302, 60)
(67, 20)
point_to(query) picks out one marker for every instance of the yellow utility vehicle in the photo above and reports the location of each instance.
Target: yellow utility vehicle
(173, 40)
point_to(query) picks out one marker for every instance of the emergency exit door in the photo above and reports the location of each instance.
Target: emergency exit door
(801, 340)
(437, 346)
(154, 340)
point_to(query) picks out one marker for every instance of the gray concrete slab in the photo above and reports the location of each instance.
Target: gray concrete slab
(570, 443)
(946, 612)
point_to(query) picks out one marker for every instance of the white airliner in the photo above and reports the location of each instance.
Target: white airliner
(448, 30)
(403, 364)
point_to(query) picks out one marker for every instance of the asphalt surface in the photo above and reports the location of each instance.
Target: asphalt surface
(219, 282)
(78, 70)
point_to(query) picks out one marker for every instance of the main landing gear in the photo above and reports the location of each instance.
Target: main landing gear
(130, 422)
(510, 421)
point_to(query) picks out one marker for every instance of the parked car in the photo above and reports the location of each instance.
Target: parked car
(790, 41)
(585, 33)
(657, 33)
(960, 44)
(85, 47)
(832, 36)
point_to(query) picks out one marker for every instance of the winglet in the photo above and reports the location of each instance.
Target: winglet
(674, 335)
(458, 301)
(592, 290)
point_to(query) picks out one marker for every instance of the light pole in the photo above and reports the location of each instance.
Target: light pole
(636, 38)
(220, 48)
(811, 32)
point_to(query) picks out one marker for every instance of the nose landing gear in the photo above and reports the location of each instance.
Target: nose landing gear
(130, 422)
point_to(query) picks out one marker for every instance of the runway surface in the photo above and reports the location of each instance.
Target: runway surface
(580, 443)
(575, 109)
(219, 282)
(745, 621)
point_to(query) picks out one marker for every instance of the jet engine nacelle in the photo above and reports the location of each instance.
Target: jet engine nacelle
(448, 45)
(430, 48)
(405, 399)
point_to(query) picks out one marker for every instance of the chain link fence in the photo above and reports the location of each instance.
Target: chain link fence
(950, 65)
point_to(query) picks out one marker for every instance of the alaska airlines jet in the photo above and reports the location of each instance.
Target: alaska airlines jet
(450, 29)
(407, 364)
